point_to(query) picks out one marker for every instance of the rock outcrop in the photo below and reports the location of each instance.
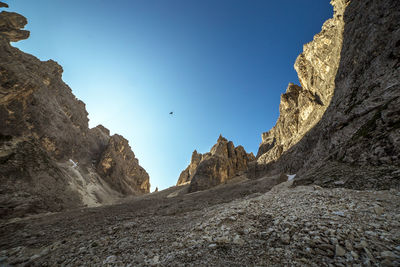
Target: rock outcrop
(187, 175)
(121, 169)
(40, 117)
(223, 162)
(356, 142)
(11, 24)
(302, 106)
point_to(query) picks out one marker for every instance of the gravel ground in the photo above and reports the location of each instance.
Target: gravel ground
(227, 226)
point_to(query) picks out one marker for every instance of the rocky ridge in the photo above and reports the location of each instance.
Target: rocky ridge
(223, 162)
(49, 157)
(352, 67)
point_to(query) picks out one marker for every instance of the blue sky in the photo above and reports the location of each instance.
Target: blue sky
(220, 65)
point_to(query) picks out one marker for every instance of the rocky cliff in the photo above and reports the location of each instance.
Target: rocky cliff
(223, 162)
(301, 107)
(187, 175)
(49, 157)
(351, 71)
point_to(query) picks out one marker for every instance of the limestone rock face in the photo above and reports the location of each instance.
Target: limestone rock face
(223, 162)
(299, 110)
(302, 106)
(187, 175)
(121, 169)
(39, 112)
(356, 143)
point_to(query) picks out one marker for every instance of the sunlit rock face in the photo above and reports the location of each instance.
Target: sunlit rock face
(121, 169)
(223, 162)
(187, 175)
(353, 67)
(47, 151)
(301, 107)
(299, 110)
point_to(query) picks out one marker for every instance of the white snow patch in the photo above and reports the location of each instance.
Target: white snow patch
(94, 191)
(73, 163)
(290, 176)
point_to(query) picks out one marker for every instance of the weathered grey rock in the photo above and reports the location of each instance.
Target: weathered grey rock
(302, 107)
(223, 162)
(48, 154)
(389, 255)
(285, 238)
(30, 181)
(187, 175)
(121, 169)
(299, 110)
(235, 233)
(339, 251)
(352, 65)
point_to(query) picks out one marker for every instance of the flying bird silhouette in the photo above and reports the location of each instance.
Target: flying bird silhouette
(171, 113)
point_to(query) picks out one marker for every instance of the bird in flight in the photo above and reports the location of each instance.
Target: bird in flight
(171, 113)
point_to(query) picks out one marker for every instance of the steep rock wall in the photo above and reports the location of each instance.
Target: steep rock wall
(39, 115)
(301, 107)
(356, 143)
(187, 175)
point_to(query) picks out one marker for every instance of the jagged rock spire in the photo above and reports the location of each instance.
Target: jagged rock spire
(11, 24)
(3, 4)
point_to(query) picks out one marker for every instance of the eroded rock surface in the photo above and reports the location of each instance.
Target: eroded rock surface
(359, 133)
(223, 162)
(187, 175)
(301, 107)
(121, 169)
(11, 24)
(39, 115)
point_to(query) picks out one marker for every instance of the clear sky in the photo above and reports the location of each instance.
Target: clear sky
(219, 65)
